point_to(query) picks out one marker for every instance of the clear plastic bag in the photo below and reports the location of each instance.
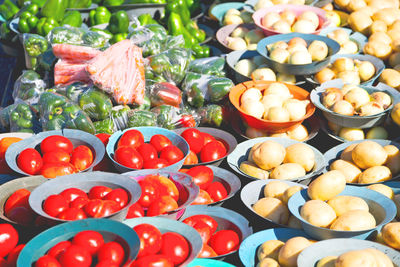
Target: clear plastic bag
(137, 117)
(119, 115)
(165, 94)
(210, 66)
(170, 117)
(34, 45)
(211, 115)
(28, 87)
(145, 39)
(75, 90)
(5, 118)
(77, 36)
(195, 89)
(22, 118)
(95, 103)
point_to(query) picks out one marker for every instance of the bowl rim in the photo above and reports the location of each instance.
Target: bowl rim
(235, 5)
(230, 28)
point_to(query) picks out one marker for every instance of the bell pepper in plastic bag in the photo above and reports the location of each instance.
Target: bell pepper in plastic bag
(105, 126)
(211, 115)
(66, 35)
(170, 117)
(195, 89)
(28, 87)
(210, 66)
(74, 90)
(96, 104)
(22, 118)
(218, 88)
(34, 45)
(138, 118)
(165, 94)
(119, 115)
(5, 117)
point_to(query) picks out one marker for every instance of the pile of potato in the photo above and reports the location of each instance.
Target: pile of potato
(268, 3)
(349, 70)
(297, 51)
(362, 257)
(368, 162)
(391, 77)
(347, 46)
(352, 100)
(330, 210)
(395, 114)
(242, 38)
(272, 160)
(353, 134)
(234, 16)
(275, 103)
(288, 21)
(300, 133)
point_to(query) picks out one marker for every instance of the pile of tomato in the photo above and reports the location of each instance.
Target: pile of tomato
(215, 243)
(9, 248)
(156, 249)
(58, 157)
(159, 196)
(203, 147)
(75, 204)
(85, 249)
(134, 153)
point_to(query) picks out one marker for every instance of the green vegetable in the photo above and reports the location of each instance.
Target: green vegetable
(46, 60)
(178, 7)
(193, 5)
(218, 88)
(50, 104)
(31, 8)
(39, 3)
(212, 66)
(176, 27)
(21, 118)
(66, 35)
(94, 39)
(96, 104)
(118, 37)
(113, 2)
(74, 90)
(211, 115)
(146, 104)
(100, 15)
(79, 3)
(35, 45)
(194, 30)
(119, 22)
(195, 96)
(99, 2)
(137, 118)
(54, 9)
(8, 9)
(200, 51)
(72, 18)
(119, 115)
(29, 85)
(105, 33)
(160, 33)
(104, 126)
(145, 1)
(76, 119)
(145, 19)
(45, 25)
(27, 22)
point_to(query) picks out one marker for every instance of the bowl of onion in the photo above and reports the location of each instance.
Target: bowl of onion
(271, 106)
(239, 36)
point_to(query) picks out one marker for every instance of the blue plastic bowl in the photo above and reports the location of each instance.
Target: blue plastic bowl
(209, 263)
(85, 181)
(241, 153)
(76, 137)
(111, 231)
(334, 153)
(148, 132)
(304, 69)
(395, 185)
(248, 248)
(219, 10)
(166, 225)
(382, 208)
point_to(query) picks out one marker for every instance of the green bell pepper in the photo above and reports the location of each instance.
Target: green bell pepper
(66, 35)
(145, 19)
(137, 118)
(96, 104)
(159, 31)
(72, 18)
(105, 33)
(200, 51)
(219, 88)
(31, 8)
(179, 7)
(45, 25)
(94, 39)
(27, 22)
(146, 104)
(29, 85)
(35, 45)
(57, 122)
(113, 2)
(21, 118)
(118, 37)
(74, 90)
(145, 1)
(212, 115)
(54, 9)
(77, 119)
(104, 126)
(100, 15)
(79, 3)
(119, 22)
(194, 30)
(8, 9)
(51, 104)
(211, 66)
(176, 27)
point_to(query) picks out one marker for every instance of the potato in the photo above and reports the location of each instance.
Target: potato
(318, 213)
(346, 153)
(275, 189)
(290, 192)
(383, 189)
(374, 175)
(391, 234)
(269, 249)
(268, 155)
(393, 160)
(381, 37)
(343, 204)
(390, 77)
(387, 15)
(360, 21)
(381, 258)
(328, 261)
(356, 258)
(288, 171)
(290, 251)
(350, 171)
(302, 154)
(354, 220)
(378, 49)
(294, 223)
(300, 133)
(272, 209)
(251, 169)
(268, 262)
(327, 185)
(368, 154)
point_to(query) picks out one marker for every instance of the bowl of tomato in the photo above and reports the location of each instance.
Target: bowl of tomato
(55, 153)
(85, 195)
(164, 193)
(208, 146)
(172, 243)
(147, 148)
(82, 243)
(222, 230)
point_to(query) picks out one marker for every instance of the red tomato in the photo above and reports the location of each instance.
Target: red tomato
(128, 157)
(111, 251)
(202, 176)
(82, 158)
(150, 239)
(204, 231)
(55, 156)
(75, 256)
(224, 242)
(207, 138)
(172, 154)
(164, 186)
(191, 159)
(153, 261)
(52, 170)
(118, 195)
(30, 161)
(161, 206)
(22, 215)
(72, 214)
(47, 261)
(13, 255)
(132, 138)
(194, 139)
(98, 192)
(149, 193)
(192, 220)
(58, 249)
(54, 205)
(103, 138)
(17, 199)
(8, 239)
(175, 247)
(207, 252)
(70, 194)
(106, 264)
(217, 191)
(155, 164)
(79, 202)
(203, 198)
(90, 240)
(135, 211)
(212, 151)
(147, 151)
(98, 208)
(56, 142)
(160, 141)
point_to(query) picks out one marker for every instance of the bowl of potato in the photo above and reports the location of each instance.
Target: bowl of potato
(276, 158)
(330, 209)
(231, 13)
(297, 53)
(350, 42)
(239, 36)
(365, 162)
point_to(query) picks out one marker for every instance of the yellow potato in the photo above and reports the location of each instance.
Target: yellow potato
(327, 185)
(383, 189)
(290, 192)
(272, 209)
(275, 189)
(360, 21)
(356, 258)
(346, 153)
(393, 160)
(251, 169)
(328, 261)
(391, 234)
(268, 262)
(374, 175)
(318, 213)
(390, 77)
(302, 154)
(381, 258)
(269, 249)
(368, 154)
(343, 204)
(350, 171)
(354, 220)
(290, 251)
(288, 171)
(268, 155)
